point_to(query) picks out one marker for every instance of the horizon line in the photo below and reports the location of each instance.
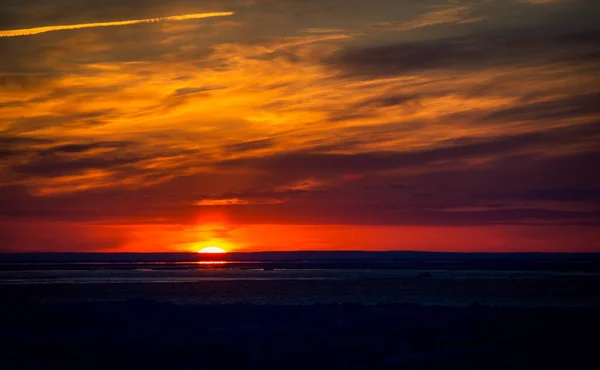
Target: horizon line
(307, 251)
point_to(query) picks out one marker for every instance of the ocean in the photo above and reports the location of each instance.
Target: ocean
(308, 310)
(308, 277)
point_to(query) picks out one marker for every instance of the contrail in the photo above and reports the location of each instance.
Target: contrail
(35, 31)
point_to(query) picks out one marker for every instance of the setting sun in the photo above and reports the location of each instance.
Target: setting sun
(212, 250)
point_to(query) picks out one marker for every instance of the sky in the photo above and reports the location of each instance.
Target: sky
(255, 125)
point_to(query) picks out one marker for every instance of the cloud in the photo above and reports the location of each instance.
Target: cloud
(496, 190)
(55, 166)
(467, 52)
(388, 100)
(563, 194)
(456, 15)
(51, 167)
(38, 30)
(234, 202)
(449, 152)
(32, 147)
(248, 146)
(194, 90)
(378, 214)
(36, 123)
(221, 202)
(541, 2)
(18, 141)
(14, 82)
(582, 105)
(82, 148)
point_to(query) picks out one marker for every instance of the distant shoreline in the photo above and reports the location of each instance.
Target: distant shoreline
(391, 260)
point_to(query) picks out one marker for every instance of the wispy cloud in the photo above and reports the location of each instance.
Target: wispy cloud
(235, 201)
(453, 15)
(457, 15)
(537, 2)
(38, 30)
(220, 202)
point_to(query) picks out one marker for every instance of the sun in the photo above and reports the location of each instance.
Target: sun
(212, 249)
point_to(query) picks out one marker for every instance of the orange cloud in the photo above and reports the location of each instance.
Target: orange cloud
(235, 201)
(220, 202)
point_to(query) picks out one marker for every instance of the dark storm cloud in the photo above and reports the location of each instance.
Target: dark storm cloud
(468, 52)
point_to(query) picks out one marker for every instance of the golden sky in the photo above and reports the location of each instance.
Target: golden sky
(155, 125)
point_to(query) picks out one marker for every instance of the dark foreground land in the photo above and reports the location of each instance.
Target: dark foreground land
(146, 334)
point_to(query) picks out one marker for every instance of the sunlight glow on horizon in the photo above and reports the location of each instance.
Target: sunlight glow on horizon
(212, 249)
